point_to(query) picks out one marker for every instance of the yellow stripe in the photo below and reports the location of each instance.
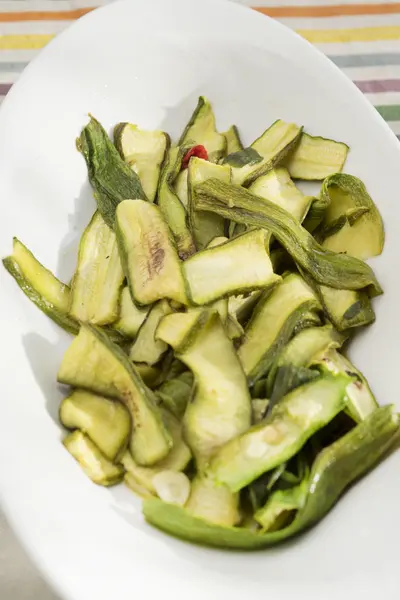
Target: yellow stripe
(24, 42)
(363, 34)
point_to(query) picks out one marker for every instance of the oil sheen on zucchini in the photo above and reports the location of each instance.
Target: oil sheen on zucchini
(201, 130)
(144, 152)
(40, 285)
(148, 254)
(316, 158)
(96, 364)
(237, 266)
(98, 278)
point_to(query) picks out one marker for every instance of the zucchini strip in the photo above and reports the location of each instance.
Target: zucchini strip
(233, 141)
(335, 270)
(205, 226)
(276, 316)
(94, 464)
(290, 424)
(277, 187)
(237, 266)
(144, 152)
(335, 468)
(112, 180)
(316, 157)
(352, 216)
(272, 147)
(98, 278)
(146, 349)
(94, 363)
(148, 254)
(171, 207)
(201, 130)
(106, 422)
(361, 401)
(177, 460)
(131, 317)
(42, 288)
(346, 309)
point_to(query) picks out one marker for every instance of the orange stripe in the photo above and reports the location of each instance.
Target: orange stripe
(330, 11)
(67, 15)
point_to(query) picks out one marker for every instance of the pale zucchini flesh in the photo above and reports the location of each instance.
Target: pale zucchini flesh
(275, 316)
(144, 152)
(106, 422)
(172, 209)
(205, 226)
(237, 204)
(177, 459)
(146, 349)
(277, 186)
(361, 235)
(94, 464)
(40, 285)
(201, 130)
(213, 503)
(233, 141)
(290, 424)
(131, 317)
(148, 254)
(273, 145)
(181, 187)
(94, 363)
(316, 158)
(240, 265)
(98, 278)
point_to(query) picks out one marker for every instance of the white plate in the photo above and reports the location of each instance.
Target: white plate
(147, 62)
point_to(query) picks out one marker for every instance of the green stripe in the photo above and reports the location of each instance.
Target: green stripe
(366, 60)
(390, 112)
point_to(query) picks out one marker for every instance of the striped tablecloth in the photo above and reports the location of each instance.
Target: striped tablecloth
(361, 36)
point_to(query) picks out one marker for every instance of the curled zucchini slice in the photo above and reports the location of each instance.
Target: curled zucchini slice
(111, 178)
(339, 271)
(148, 254)
(144, 152)
(96, 364)
(98, 278)
(106, 422)
(40, 285)
(201, 130)
(316, 158)
(94, 464)
(146, 349)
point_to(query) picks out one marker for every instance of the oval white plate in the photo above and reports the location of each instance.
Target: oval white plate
(147, 62)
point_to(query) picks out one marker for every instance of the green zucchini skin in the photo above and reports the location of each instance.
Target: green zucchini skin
(328, 268)
(289, 425)
(94, 363)
(111, 178)
(172, 209)
(42, 288)
(201, 130)
(334, 470)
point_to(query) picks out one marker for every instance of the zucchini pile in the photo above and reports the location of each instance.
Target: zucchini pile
(211, 305)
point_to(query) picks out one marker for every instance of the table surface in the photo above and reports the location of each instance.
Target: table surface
(361, 36)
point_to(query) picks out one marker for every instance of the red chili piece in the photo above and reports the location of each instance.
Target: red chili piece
(198, 151)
